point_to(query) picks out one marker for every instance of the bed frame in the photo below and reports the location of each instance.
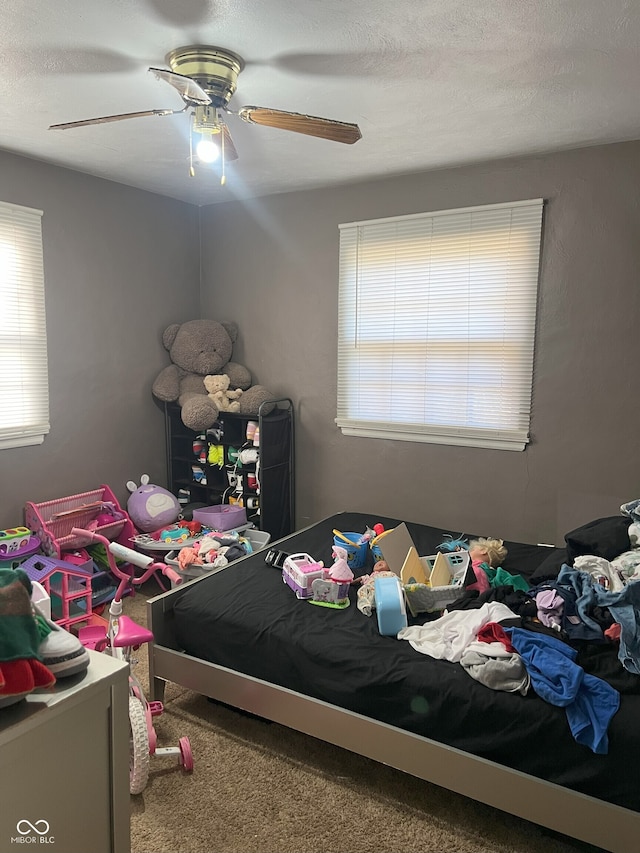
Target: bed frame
(577, 815)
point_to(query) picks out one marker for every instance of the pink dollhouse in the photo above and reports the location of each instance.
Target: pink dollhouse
(67, 585)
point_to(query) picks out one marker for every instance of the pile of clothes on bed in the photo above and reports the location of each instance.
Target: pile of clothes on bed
(550, 637)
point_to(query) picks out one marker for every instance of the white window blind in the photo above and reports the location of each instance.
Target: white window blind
(24, 386)
(436, 327)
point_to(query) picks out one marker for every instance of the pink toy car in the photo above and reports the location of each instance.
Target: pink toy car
(299, 571)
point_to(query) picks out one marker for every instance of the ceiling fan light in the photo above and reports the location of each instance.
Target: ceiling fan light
(207, 151)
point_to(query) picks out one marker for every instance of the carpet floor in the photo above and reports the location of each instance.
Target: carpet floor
(258, 787)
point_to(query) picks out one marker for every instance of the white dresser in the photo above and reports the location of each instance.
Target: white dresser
(64, 765)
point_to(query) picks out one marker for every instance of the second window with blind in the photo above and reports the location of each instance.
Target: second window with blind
(436, 330)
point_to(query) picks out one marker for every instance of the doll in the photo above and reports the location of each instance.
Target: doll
(340, 572)
(450, 545)
(490, 552)
(366, 594)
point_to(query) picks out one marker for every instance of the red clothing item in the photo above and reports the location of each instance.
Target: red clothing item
(613, 632)
(493, 632)
(23, 676)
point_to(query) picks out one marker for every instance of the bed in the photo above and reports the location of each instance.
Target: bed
(241, 636)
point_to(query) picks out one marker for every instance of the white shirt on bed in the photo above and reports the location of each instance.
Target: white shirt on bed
(446, 638)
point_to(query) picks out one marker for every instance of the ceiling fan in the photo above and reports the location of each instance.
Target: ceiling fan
(206, 78)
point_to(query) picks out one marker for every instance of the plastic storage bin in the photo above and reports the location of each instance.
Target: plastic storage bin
(221, 516)
(258, 538)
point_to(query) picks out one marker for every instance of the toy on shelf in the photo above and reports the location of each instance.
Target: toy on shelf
(199, 446)
(199, 348)
(220, 516)
(52, 521)
(151, 507)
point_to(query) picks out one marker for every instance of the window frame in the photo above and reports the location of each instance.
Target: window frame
(364, 244)
(24, 381)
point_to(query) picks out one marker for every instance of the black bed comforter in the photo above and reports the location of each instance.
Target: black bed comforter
(245, 618)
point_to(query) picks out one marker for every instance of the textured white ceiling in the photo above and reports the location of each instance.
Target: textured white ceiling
(431, 83)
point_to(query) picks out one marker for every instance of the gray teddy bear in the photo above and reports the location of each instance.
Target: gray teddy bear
(200, 348)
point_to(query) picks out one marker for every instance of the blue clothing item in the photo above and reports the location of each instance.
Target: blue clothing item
(624, 606)
(589, 702)
(632, 509)
(572, 623)
(582, 585)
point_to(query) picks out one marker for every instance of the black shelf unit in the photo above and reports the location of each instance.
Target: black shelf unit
(209, 482)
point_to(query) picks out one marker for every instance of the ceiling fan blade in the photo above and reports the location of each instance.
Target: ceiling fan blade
(190, 92)
(230, 152)
(324, 128)
(105, 119)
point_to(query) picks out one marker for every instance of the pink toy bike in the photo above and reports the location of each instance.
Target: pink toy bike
(122, 637)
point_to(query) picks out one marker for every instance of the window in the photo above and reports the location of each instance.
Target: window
(24, 386)
(436, 325)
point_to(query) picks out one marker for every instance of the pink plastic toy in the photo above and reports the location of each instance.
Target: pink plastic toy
(333, 590)
(52, 521)
(340, 571)
(299, 571)
(119, 637)
(68, 586)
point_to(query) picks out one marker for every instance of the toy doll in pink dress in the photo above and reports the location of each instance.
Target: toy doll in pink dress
(488, 552)
(340, 572)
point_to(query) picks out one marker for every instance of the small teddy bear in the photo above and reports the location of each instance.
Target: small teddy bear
(218, 390)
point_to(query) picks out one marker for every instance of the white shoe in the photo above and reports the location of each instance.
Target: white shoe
(60, 651)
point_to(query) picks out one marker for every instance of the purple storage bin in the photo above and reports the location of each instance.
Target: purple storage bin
(221, 517)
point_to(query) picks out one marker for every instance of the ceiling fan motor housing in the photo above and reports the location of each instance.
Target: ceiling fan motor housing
(213, 68)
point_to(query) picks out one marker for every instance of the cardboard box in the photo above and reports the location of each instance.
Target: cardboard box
(430, 583)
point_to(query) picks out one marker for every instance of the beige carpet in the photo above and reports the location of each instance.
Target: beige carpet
(258, 787)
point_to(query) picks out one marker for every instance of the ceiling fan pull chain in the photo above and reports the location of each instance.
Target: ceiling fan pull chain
(192, 171)
(223, 178)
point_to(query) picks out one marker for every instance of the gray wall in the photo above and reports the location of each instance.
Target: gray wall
(272, 265)
(120, 265)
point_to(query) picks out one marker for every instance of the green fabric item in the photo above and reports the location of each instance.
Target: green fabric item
(44, 629)
(498, 577)
(19, 636)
